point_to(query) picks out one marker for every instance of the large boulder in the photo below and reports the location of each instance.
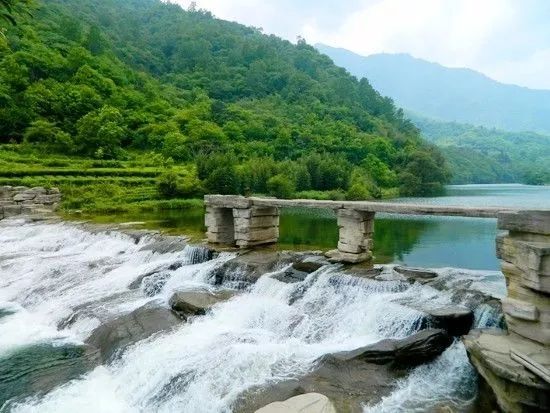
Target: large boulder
(417, 274)
(456, 320)
(412, 350)
(127, 329)
(353, 379)
(245, 269)
(516, 389)
(39, 368)
(304, 403)
(197, 302)
(348, 384)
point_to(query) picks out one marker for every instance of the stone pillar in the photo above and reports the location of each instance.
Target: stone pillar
(355, 242)
(525, 255)
(516, 365)
(219, 225)
(256, 226)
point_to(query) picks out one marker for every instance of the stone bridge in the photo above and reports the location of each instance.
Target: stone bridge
(249, 222)
(515, 365)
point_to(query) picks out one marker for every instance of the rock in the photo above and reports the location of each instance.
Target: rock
(347, 257)
(130, 328)
(196, 302)
(537, 222)
(415, 273)
(364, 272)
(39, 368)
(415, 349)
(348, 384)
(456, 320)
(310, 264)
(305, 403)
(516, 389)
(166, 244)
(246, 268)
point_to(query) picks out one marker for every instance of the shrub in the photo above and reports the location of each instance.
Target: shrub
(357, 192)
(280, 186)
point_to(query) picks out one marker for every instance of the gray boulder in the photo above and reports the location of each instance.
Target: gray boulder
(197, 302)
(456, 320)
(127, 329)
(304, 403)
(415, 349)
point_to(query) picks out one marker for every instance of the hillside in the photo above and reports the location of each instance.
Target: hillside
(446, 94)
(481, 155)
(214, 106)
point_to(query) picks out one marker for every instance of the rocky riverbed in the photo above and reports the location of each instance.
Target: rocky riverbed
(119, 320)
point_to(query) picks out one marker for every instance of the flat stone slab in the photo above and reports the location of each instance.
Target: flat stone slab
(536, 222)
(304, 403)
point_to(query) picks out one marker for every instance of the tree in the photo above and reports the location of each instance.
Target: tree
(9, 9)
(100, 133)
(281, 186)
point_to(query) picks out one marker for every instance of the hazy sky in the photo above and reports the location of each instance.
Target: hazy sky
(508, 40)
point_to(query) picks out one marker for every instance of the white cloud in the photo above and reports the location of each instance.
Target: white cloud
(498, 37)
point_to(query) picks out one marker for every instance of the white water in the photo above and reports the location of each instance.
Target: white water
(256, 338)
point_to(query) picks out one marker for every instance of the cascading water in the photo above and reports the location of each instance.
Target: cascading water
(59, 282)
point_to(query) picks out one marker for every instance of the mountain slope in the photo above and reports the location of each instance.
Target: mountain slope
(478, 155)
(447, 94)
(245, 112)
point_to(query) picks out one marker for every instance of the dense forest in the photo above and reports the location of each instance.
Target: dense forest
(481, 155)
(218, 106)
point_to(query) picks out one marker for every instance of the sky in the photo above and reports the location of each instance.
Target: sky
(508, 40)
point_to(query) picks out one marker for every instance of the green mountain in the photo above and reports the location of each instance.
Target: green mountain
(480, 155)
(240, 111)
(446, 94)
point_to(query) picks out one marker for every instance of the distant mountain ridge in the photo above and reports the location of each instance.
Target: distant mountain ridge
(448, 94)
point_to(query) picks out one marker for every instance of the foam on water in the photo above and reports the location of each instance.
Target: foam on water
(272, 331)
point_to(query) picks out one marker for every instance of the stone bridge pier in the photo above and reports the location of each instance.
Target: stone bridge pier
(235, 220)
(240, 223)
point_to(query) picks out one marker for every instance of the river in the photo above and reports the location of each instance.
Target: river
(412, 240)
(60, 281)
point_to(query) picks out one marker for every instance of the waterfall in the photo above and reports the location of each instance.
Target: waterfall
(271, 331)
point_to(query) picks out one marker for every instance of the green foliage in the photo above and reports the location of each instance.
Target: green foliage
(280, 186)
(100, 133)
(481, 155)
(251, 113)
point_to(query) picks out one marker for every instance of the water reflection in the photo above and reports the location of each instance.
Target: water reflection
(412, 240)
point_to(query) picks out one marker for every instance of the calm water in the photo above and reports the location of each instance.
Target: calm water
(412, 240)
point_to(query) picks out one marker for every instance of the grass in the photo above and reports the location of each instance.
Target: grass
(92, 186)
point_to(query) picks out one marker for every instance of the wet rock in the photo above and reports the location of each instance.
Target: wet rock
(516, 389)
(364, 272)
(348, 384)
(40, 368)
(187, 303)
(415, 349)
(418, 274)
(304, 403)
(166, 244)
(127, 329)
(456, 320)
(245, 269)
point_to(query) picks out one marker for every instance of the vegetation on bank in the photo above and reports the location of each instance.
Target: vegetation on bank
(478, 155)
(148, 91)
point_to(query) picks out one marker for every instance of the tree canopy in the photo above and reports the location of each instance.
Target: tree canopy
(252, 112)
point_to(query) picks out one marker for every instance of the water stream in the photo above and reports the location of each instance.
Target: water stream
(58, 282)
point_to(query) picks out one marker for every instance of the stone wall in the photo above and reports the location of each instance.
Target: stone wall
(516, 364)
(17, 200)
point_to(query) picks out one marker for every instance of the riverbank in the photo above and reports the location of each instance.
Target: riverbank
(288, 314)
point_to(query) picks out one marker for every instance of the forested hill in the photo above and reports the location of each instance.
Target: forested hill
(478, 155)
(240, 111)
(449, 94)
